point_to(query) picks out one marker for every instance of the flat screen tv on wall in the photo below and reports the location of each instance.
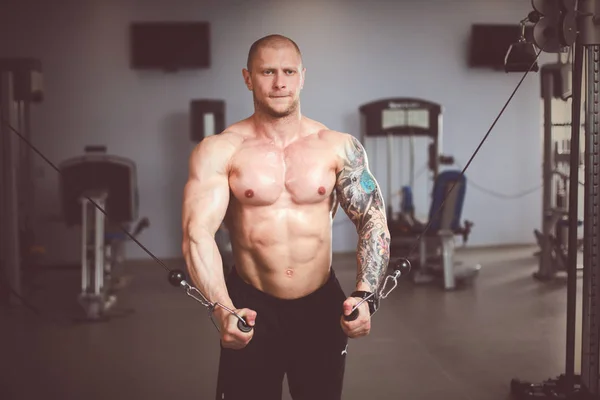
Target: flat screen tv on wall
(490, 42)
(170, 46)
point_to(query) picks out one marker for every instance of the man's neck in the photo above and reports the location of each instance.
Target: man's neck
(281, 131)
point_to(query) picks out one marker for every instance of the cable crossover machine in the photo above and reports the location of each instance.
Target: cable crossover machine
(561, 26)
(553, 237)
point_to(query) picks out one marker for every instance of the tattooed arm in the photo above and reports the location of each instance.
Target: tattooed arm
(359, 195)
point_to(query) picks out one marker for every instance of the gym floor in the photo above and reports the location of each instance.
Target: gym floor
(425, 343)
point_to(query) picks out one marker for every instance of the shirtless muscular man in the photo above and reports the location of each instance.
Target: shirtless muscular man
(276, 179)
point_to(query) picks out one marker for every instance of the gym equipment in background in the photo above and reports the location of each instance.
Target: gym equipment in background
(386, 120)
(403, 118)
(110, 182)
(444, 224)
(558, 26)
(20, 87)
(553, 237)
(207, 117)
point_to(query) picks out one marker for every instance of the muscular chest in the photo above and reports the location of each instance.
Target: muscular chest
(300, 173)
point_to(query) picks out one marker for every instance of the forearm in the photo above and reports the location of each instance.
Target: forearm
(360, 197)
(205, 266)
(372, 255)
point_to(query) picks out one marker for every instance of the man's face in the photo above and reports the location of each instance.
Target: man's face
(276, 80)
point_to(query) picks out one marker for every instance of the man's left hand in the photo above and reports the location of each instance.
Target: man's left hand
(361, 326)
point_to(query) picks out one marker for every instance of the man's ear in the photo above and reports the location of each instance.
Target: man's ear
(247, 78)
(303, 78)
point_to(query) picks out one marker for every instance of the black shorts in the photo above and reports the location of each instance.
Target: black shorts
(301, 338)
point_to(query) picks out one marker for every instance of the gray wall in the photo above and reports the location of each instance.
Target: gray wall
(354, 51)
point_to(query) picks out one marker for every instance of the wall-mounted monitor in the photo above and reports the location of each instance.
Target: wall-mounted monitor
(490, 42)
(170, 46)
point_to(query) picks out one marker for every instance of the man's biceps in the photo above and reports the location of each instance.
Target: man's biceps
(209, 191)
(206, 221)
(213, 208)
(206, 210)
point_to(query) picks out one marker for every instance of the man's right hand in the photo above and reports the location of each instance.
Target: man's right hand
(231, 336)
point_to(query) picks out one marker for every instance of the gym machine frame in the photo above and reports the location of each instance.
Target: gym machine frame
(559, 25)
(95, 296)
(20, 87)
(90, 183)
(552, 238)
(373, 125)
(413, 117)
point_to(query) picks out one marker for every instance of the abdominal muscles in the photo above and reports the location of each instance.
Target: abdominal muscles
(282, 250)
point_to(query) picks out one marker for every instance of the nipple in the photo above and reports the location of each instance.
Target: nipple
(289, 272)
(249, 193)
(321, 190)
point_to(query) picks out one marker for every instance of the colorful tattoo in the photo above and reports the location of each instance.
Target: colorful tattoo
(359, 195)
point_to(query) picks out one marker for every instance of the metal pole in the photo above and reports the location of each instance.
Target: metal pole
(545, 269)
(573, 215)
(4, 289)
(99, 246)
(592, 224)
(10, 210)
(411, 166)
(85, 242)
(390, 158)
(439, 145)
(27, 187)
(589, 34)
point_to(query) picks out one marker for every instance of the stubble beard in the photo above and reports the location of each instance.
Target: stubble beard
(269, 111)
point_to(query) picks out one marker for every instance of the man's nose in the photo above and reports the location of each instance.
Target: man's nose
(279, 82)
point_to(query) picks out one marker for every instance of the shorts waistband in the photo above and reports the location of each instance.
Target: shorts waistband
(234, 281)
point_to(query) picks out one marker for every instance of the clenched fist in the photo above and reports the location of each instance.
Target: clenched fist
(231, 336)
(361, 326)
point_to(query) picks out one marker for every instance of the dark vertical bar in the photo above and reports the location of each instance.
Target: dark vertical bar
(592, 198)
(545, 269)
(438, 140)
(27, 189)
(10, 206)
(573, 213)
(587, 36)
(4, 291)
(591, 333)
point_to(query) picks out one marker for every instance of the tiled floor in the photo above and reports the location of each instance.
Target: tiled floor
(425, 343)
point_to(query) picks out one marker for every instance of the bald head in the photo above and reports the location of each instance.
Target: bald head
(272, 41)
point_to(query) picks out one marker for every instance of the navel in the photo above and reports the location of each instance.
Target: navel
(289, 272)
(249, 193)
(321, 190)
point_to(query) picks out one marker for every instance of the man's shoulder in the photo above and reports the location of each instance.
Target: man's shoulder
(325, 133)
(338, 139)
(345, 146)
(219, 148)
(216, 144)
(330, 134)
(229, 139)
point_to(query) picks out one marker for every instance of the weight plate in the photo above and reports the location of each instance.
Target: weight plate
(548, 8)
(545, 36)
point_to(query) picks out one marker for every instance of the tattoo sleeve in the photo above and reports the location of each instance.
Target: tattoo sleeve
(359, 195)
